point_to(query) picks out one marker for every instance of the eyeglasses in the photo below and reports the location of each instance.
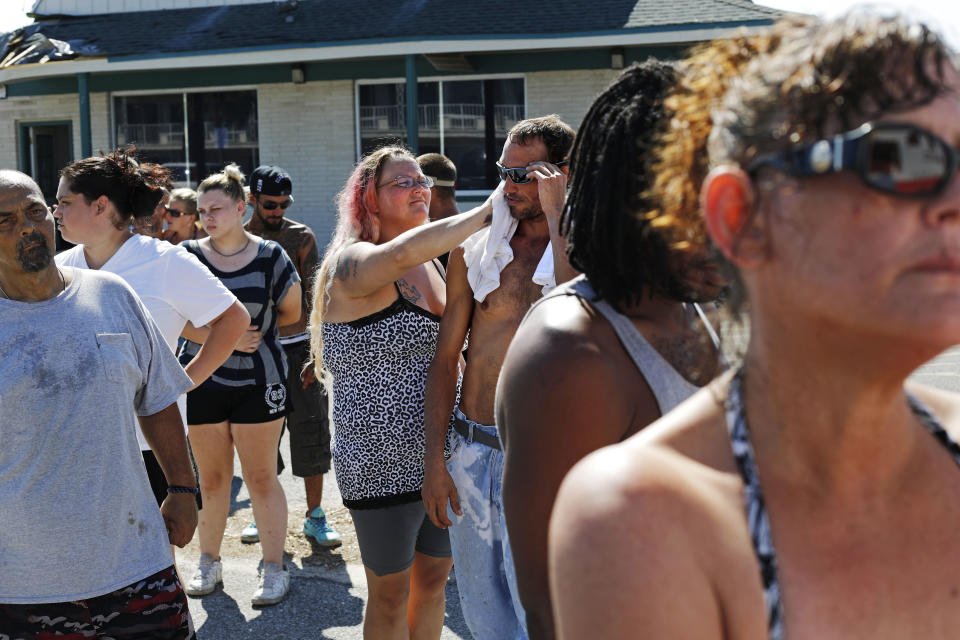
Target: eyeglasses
(896, 158)
(519, 174)
(175, 213)
(406, 182)
(270, 205)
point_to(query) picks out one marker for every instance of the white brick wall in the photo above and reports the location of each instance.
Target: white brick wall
(567, 93)
(308, 129)
(48, 108)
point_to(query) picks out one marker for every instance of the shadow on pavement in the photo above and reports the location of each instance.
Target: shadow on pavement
(319, 599)
(453, 619)
(235, 485)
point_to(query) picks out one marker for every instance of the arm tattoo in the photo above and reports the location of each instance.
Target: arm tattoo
(408, 291)
(347, 268)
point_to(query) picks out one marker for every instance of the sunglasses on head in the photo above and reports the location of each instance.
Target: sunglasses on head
(519, 174)
(270, 205)
(406, 182)
(896, 158)
(176, 213)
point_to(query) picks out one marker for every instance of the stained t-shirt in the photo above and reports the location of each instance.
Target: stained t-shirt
(172, 284)
(77, 516)
(260, 285)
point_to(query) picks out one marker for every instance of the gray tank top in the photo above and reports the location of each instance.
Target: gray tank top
(668, 386)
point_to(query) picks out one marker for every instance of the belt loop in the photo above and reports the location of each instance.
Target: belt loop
(469, 432)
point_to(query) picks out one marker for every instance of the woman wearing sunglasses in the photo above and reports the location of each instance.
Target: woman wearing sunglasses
(243, 404)
(181, 217)
(376, 314)
(812, 492)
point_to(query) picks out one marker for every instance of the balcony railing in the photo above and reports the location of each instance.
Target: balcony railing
(170, 135)
(457, 117)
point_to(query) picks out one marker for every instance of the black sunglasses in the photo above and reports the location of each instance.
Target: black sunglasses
(175, 213)
(270, 205)
(896, 158)
(519, 174)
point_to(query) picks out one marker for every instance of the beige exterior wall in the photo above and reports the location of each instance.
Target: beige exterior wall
(13, 111)
(569, 94)
(309, 130)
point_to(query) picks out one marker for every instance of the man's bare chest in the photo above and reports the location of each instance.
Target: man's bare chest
(517, 290)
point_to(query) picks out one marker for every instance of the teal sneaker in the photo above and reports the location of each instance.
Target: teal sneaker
(250, 534)
(317, 528)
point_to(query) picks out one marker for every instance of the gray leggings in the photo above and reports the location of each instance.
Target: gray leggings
(389, 536)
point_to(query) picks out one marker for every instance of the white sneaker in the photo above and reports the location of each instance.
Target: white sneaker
(273, 586)
(209, 573)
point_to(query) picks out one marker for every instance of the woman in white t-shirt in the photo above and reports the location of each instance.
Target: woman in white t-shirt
(98, 200)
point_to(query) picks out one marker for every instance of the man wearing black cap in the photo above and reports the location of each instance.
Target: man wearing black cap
(271, 194)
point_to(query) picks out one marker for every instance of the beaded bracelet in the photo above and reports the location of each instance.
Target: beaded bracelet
(176, 489)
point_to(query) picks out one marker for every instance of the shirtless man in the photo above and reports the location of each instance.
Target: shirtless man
(533, 166)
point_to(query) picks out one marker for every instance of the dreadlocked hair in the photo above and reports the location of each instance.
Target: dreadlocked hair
(608, 237)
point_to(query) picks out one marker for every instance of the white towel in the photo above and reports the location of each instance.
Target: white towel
(488, 251)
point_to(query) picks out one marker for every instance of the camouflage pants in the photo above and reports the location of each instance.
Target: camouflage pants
(154, 608)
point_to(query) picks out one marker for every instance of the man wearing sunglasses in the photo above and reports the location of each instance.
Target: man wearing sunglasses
(271, 194)
(533, 171)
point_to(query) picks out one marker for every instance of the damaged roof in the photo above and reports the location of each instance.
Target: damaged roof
(331, 22)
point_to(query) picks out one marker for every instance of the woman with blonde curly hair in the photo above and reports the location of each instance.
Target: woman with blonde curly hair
(376, 314)
(812, 492)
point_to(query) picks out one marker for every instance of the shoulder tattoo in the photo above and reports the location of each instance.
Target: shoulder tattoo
(346, 268)
(408, 291)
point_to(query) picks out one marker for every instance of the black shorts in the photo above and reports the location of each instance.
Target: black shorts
(244, 405)
(158, 481)
(307, 422)
(155, 607)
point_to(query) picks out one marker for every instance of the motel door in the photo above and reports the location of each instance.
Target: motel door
(45, 150)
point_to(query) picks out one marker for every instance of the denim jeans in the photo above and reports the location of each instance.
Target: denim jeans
(481, 550)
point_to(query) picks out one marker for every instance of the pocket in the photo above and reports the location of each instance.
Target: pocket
(118, 357)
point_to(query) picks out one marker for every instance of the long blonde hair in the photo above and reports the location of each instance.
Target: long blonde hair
(355, 222)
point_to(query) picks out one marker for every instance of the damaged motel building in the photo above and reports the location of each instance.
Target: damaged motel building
(311, 85)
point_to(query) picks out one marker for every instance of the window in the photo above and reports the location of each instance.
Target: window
(192, 134)
(466, 120)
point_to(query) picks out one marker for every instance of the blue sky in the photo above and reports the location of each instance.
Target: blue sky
(944, 15)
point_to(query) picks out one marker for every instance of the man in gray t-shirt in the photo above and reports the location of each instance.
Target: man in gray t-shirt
(83, 546)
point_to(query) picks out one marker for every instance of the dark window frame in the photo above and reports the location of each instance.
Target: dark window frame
(358, 143)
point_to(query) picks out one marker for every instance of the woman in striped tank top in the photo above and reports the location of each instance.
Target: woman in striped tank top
(242, 405)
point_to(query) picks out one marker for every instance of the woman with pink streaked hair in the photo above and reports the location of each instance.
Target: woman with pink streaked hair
(377, 302)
